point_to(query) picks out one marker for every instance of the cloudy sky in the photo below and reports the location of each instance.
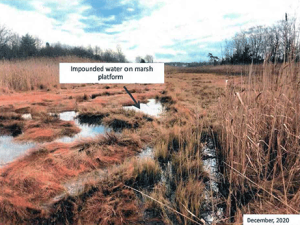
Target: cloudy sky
(170, 30)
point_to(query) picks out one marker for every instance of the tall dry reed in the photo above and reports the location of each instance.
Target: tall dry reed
(33, 73)
(261, 141)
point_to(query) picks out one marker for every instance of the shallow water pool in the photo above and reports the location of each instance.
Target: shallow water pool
(9, 149)
(152, 108)
(87, 130)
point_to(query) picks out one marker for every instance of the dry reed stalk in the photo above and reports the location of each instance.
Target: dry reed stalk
(260, 135)
(201, 222)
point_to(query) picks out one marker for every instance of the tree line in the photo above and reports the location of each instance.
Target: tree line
(277, 43)
(12, 46)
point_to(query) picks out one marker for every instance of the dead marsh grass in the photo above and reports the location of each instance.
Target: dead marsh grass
(21, 76)
(260, 142)
(47, 128)
(110, 201)
(33, 74)
(195, 102)
(29, 182)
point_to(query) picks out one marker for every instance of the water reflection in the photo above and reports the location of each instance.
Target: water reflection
(87, 130)
(152, 108)
(9, 149)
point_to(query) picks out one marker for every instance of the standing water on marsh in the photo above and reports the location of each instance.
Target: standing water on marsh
(11, 149)
(87, 129)
(152, 108)
(213, 212)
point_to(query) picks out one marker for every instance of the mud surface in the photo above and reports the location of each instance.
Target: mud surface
(213, 211)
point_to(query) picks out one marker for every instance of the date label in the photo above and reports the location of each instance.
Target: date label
(266, 219)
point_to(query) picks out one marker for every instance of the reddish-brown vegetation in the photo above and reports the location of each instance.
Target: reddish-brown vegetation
(254, 116)
(31, 181)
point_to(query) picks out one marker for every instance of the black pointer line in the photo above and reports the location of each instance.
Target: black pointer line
(136, 104)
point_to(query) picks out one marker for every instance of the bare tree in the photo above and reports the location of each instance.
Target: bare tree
(288, 37)
(256, 42)
(273, 42)
(240, 42)
(108, 56)
(5, 36)
(89, 51)
(97, 50)
(120, 55)
(149, 58)
(138, 59)
(38, 43)
(15, 43)
(228, 50)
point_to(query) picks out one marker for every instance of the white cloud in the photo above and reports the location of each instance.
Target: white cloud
(162, 23)
(179, 21)
(39, 6)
